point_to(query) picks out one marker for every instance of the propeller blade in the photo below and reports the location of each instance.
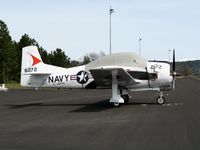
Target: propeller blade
(174, 61)
(174, 81)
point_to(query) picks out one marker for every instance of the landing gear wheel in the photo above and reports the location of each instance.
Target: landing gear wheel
(116, 104)
(160, 100)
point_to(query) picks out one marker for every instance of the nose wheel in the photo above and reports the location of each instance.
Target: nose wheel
(160, 100)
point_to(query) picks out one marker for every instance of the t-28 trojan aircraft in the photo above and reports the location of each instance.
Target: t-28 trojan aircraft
(122, 72)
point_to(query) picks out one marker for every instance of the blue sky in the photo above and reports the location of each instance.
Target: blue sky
(82, 26)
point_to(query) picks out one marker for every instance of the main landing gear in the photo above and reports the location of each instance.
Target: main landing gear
(125, 98)
(116, 99)
(118, 95)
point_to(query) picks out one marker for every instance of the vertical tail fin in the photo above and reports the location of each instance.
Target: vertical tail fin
(30, 57)
(31, 60)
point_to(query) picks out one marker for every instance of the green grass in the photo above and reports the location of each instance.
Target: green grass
(13, 86)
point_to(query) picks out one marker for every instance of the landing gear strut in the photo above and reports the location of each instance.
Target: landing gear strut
(116, 98)
(119, 95)
(160, 100)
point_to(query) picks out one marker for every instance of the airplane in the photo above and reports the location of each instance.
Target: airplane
(121, 72)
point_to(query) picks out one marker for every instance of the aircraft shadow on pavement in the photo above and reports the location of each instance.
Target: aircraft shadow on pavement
(23, 105)
(95, 107)
(103, 105)
(82, 107)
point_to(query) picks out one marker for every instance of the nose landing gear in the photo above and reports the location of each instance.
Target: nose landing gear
(160, 100)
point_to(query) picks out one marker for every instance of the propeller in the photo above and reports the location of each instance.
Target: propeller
(173, 69)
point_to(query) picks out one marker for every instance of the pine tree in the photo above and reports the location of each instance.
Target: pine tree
(8, 60)
(86, 60)
(58, 58)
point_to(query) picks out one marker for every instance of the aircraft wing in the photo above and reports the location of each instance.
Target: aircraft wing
(103, 77)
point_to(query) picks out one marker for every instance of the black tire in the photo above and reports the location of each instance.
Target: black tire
(116, 104)
(160, 100)
(126, 98)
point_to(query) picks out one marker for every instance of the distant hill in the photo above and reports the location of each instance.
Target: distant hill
(188, 67)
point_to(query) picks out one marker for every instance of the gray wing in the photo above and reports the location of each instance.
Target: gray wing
(103, 77)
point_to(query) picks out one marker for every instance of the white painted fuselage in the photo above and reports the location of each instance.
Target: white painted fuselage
(122, 71)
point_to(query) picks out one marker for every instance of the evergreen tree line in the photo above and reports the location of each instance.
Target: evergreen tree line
(11, 53)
